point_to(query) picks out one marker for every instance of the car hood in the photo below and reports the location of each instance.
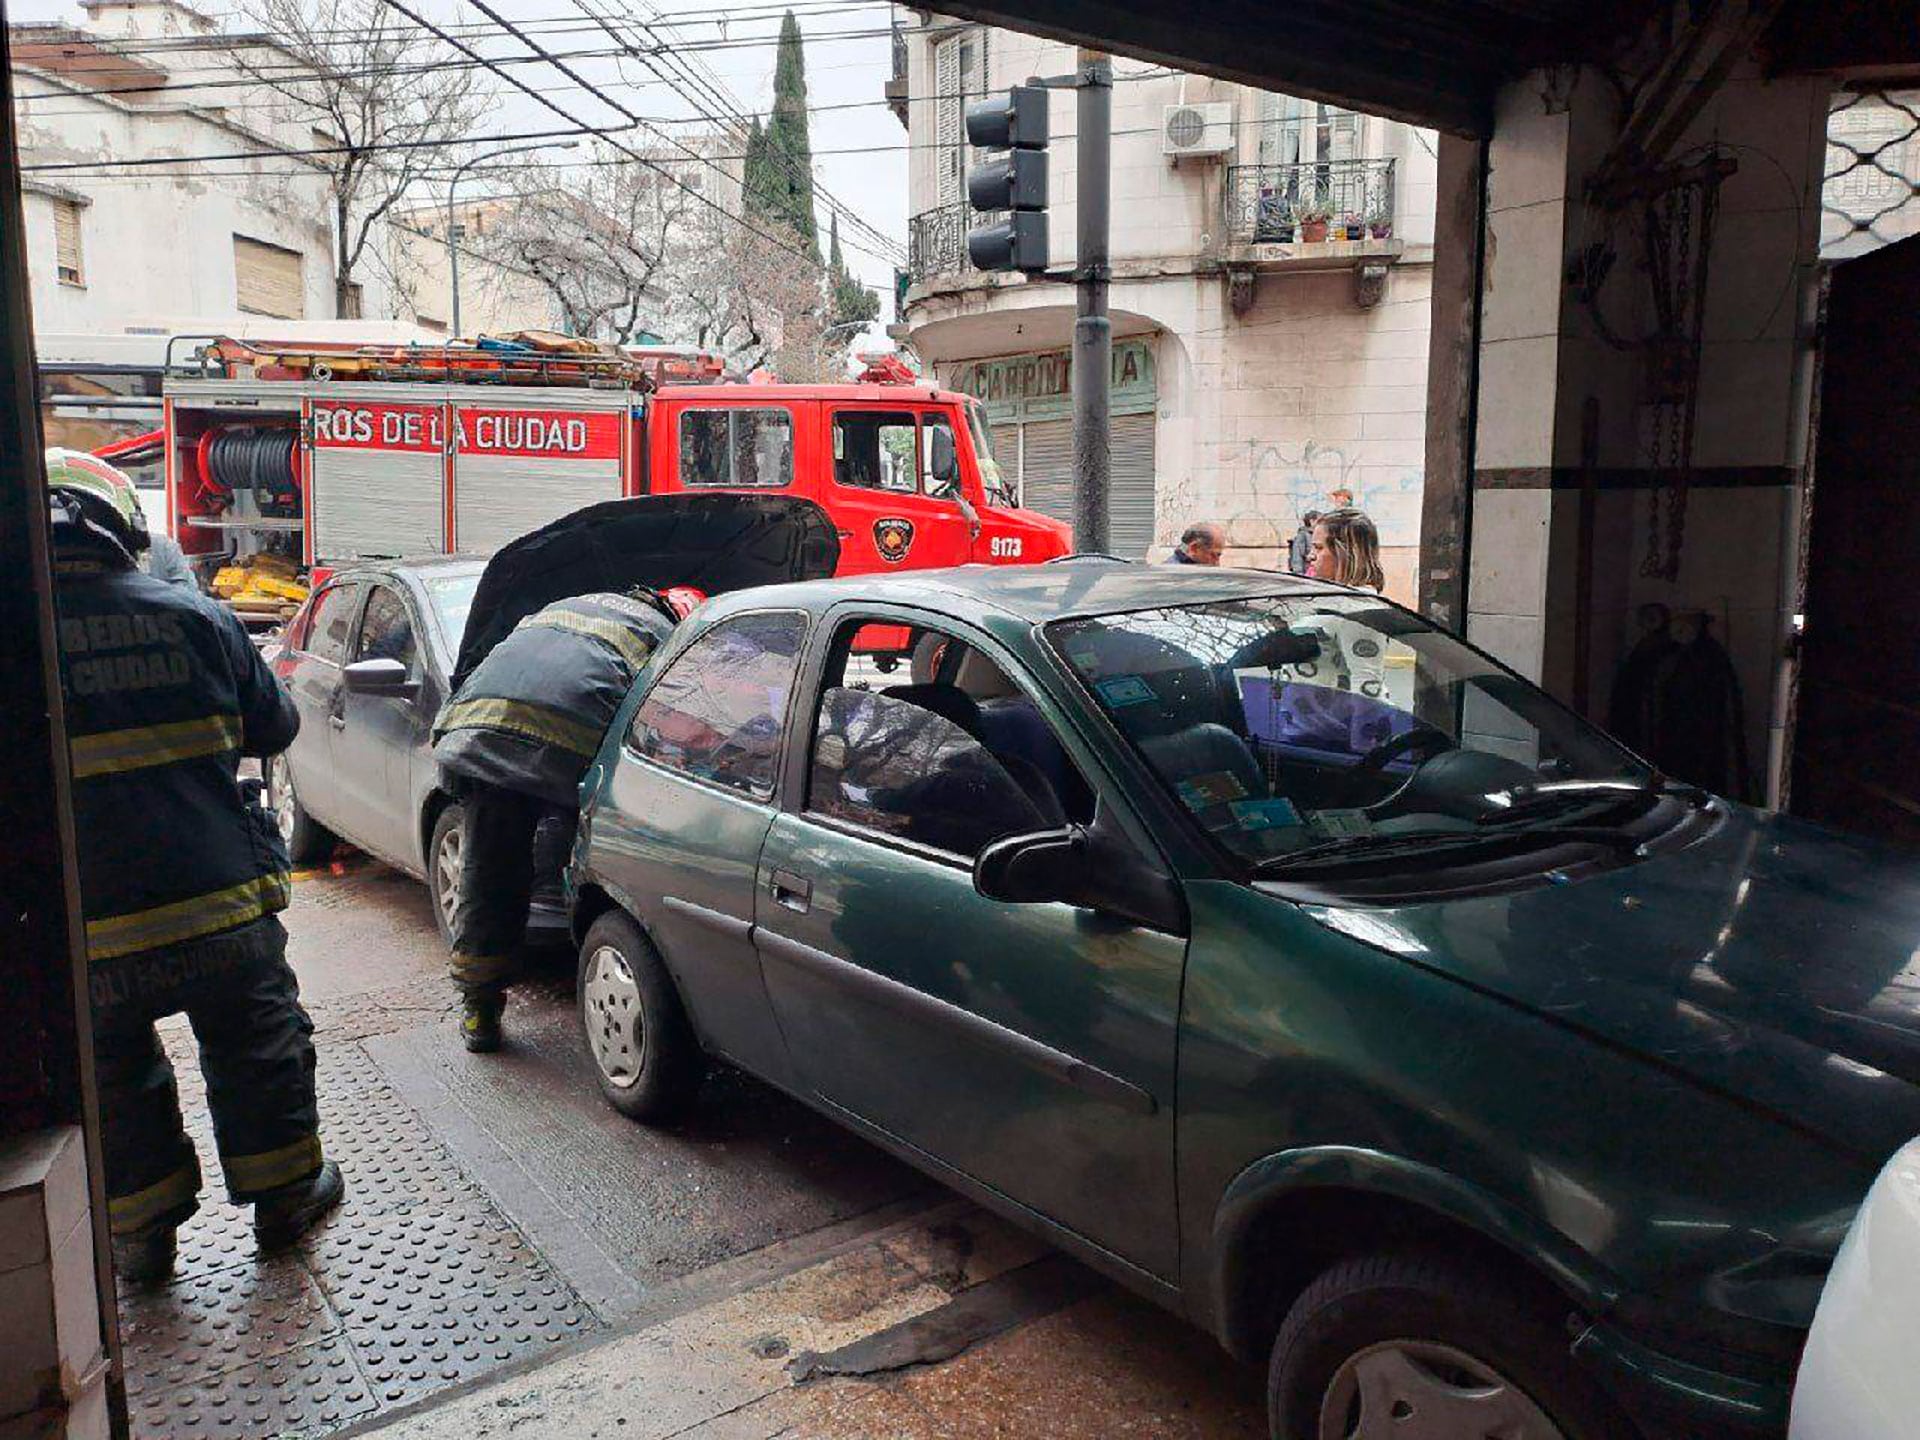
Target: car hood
(711, 543)
(1772, 960)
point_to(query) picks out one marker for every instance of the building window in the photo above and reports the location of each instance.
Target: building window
(67, 260)
(267, 279)
(959, 75)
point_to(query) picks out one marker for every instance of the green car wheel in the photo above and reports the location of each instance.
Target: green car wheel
(644, 1052)
(1393, 1347)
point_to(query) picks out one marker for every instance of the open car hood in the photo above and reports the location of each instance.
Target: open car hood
(712, 543)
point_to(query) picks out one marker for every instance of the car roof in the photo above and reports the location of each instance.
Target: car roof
(1037, 594)
(412, 564)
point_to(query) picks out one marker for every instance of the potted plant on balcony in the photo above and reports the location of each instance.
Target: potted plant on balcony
(1380, 223)
(1314, 216)
(1355, 227)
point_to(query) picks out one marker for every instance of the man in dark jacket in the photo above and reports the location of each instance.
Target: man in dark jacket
(181, 876)
(512, 744)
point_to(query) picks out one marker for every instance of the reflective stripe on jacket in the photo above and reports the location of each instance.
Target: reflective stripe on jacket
(531, 715)
(164, 693)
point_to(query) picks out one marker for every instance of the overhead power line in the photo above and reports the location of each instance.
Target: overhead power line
(606, 133)
(665, 72)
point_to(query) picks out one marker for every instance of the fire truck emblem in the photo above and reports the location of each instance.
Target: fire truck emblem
(893, 538)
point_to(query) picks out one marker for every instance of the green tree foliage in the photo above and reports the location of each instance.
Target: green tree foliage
(780, 186)
(849, 299)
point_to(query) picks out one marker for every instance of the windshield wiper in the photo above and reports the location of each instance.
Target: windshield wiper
(1442, 842)
(1524, 802)
(1375, 845)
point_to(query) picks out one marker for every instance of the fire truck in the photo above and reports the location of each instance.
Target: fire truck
(317, 455)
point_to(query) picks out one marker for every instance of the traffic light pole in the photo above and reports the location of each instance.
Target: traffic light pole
(1092, 329)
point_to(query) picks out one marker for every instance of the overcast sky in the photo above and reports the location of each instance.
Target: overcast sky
(848, 61)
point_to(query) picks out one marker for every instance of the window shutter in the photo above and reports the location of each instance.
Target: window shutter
(267, 279)
(66, 242)
(949, 112)
(1046, 468)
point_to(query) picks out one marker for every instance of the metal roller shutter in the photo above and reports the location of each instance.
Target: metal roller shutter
(1130, 513)
(1046, 468)
(497, 499)
(1046, 478)
(266, 279)
(377, 502)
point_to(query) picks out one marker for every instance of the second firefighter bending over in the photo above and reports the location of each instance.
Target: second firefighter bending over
(512, 745)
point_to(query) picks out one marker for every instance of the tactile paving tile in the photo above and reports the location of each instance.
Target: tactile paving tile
(200, 1325)
(428, 1298)
(416, 1282)
(309, 1390)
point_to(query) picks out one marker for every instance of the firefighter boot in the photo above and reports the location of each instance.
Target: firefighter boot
(480, 1022)
(282, 1216)
(144, 1258)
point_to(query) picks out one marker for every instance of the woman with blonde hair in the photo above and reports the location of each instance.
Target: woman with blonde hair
(1346, 550)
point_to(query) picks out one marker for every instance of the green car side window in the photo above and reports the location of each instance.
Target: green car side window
(718, 711)
(894, 766)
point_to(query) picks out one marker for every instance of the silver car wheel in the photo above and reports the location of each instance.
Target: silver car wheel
(1422, 1390)
(616, 1030)
(446, 872)
(280, 797)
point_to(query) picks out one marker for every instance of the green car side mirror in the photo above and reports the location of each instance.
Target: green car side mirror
(1093, 867)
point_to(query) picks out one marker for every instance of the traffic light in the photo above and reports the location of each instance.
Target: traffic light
(1016, 182)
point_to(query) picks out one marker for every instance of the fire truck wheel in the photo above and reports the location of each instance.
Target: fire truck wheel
(308, 842)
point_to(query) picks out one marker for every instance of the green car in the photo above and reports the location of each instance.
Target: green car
(1279, 955)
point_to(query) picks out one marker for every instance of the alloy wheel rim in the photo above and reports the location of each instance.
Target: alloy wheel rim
(616, 1029)
(280, 797)
(446, 870)
(1423, 1390)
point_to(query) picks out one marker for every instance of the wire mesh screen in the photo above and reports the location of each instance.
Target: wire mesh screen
(1870, 196)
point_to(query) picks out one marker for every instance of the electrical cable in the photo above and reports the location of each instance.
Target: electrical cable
(604, 133)
(895, 252)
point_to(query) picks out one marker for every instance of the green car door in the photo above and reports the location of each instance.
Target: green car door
(1028, 1047)
(679, 829)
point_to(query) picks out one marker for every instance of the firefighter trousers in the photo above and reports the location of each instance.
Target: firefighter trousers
(497, 873)
(256, 1052)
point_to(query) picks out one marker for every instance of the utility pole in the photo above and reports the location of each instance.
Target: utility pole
(1092, 329)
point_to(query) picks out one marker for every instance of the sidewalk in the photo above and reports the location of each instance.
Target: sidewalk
(952, 1325)
(416, 1283)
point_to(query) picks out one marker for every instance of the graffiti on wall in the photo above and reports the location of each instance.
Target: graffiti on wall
(1288, 481)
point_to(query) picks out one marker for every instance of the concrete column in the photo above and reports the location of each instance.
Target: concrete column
(1564, 457)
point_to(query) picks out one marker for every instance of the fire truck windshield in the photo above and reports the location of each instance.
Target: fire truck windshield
(991, 480)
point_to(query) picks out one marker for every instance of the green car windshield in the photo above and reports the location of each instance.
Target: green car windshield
(1318, 721)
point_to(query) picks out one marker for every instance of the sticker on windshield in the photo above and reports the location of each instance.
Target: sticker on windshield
(1339, 824)
(1125, 690)
(1277, 813)
(1216, 787)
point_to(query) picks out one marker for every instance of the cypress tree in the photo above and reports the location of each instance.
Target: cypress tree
(787, 179)
(850, 299)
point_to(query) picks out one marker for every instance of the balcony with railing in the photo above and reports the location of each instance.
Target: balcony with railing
(937, 241)
(1317, 210)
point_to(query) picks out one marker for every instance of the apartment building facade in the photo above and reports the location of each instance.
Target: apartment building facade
(1271, 281)
(114, 245)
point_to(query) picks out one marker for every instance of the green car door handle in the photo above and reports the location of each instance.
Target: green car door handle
(791, 890)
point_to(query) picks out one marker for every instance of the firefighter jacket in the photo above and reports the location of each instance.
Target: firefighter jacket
(164, 694)
(530, 716)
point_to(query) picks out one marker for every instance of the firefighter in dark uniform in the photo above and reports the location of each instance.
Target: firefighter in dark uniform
(513, 744)
(181, 876)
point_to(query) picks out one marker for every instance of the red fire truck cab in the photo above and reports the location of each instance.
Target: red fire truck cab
(329, 456)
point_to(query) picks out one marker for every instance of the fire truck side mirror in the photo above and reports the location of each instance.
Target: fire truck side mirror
(943, 460)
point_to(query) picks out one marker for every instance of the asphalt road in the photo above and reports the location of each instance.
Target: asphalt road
(717, 1263)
